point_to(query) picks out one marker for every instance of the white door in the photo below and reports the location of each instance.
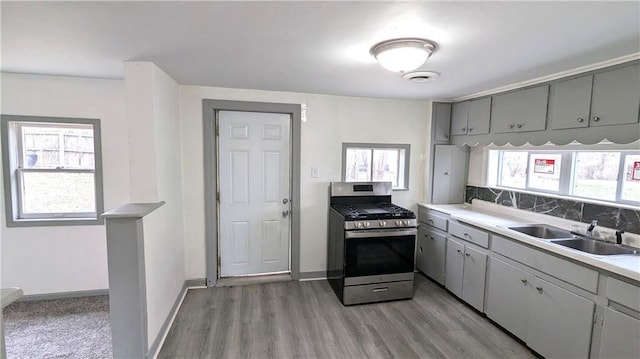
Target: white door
(254, 180)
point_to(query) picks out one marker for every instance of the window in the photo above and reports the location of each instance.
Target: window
(612, 176)
(367, 162)
(52, 171)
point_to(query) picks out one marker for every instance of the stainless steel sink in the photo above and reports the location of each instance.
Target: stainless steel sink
(543, 231)
(595, 247)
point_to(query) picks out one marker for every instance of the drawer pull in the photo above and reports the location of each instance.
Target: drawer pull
(431, 238)
(539, 289)
(467, 254)
(381, 289)
(524, 281)
(430, 220)
(467, 234)
(459, 251)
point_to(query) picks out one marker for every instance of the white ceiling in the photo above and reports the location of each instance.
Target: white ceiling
(317, 47)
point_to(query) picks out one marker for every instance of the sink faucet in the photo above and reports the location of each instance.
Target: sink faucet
(619, 236)
(593, 225)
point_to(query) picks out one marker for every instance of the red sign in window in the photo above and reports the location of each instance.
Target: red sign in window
(635, 173)
(544, 166)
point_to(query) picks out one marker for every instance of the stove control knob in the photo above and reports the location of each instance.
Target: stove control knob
(398, 223)
(367, 224)
(406, 223)
(383, 224)
(357, 224)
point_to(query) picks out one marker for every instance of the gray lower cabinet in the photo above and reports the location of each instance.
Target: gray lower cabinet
(560, 322)
(553, 321)
(520, 111)
(620, 336)
(465, 271)
(507, 296)
(431, 252)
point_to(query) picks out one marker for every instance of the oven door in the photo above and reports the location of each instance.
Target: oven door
(379, 255)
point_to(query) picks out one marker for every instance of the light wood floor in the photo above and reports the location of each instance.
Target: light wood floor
(306, 320)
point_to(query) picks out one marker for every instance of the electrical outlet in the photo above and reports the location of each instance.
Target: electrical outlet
(314, 172)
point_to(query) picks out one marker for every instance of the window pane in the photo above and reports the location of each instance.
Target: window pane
(544, 171)
(631, 178)
(51, 147)
(358, 167)
(385, 166)
(58, 192)
(514, 169)
(596, 175)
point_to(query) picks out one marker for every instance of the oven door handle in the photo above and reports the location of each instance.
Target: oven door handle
(372, 233)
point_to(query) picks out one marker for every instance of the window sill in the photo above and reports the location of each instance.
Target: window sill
(57, 222)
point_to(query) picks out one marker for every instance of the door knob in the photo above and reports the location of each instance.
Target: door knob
(285, 200)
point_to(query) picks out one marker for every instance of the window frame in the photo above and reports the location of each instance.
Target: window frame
(403, 164)
(13, 169)
(567, 173)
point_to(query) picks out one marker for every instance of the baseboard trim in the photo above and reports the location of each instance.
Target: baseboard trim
(64, 295)
(196, 283)
(318, 275)
(155, 347)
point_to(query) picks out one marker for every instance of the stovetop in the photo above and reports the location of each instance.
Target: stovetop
(370, 211)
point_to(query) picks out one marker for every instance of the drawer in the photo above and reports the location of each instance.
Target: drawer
(433, 218)
(563, 269)
(624, 293)
(470, 234)
(377, 292)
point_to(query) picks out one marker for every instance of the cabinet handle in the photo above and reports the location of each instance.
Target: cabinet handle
(580, 119)
(381, 289)
(539, 289)
(596, 118)
(459, 251)
(519, 125)
(510, 126)
(467, 254)
(470, 129)
(447, 173)
(467, 235)
(431, 238)
(524, 281)
(446, 137)
(464, 129)
(431, 221)
(420, 249)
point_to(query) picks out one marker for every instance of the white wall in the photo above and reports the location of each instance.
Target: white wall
(331, 120)
(71, 258)
(156, 175)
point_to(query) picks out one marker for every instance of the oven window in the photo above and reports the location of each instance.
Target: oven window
(375, 256)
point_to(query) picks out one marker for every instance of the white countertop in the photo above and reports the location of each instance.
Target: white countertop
(493, 218)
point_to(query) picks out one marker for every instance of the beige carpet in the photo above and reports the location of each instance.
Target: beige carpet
(60, 328)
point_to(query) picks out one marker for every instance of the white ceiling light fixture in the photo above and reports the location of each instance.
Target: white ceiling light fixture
(403, 54)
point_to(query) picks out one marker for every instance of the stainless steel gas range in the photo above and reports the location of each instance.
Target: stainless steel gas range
(371, 247)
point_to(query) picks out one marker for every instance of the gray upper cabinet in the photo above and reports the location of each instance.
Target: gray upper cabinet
(520, 111)
(459, 118)
(442, 122)
(479, 116)
(569, 103)
(616, 97)
(471, 117)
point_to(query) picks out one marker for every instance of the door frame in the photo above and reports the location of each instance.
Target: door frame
(210, 108)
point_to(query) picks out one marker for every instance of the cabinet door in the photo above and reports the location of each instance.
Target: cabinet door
(442, 121)
(434, 246)
(449, 174)
(560, 322)
(507, 295)
(473, 278)
(616, 97)
(569, 103)
(620, 334)
(459, 118)
(454, 267)
(479, 116)
(520, 111)
(421, 249)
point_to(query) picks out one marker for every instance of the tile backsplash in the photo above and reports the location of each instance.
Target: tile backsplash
(607, 216)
